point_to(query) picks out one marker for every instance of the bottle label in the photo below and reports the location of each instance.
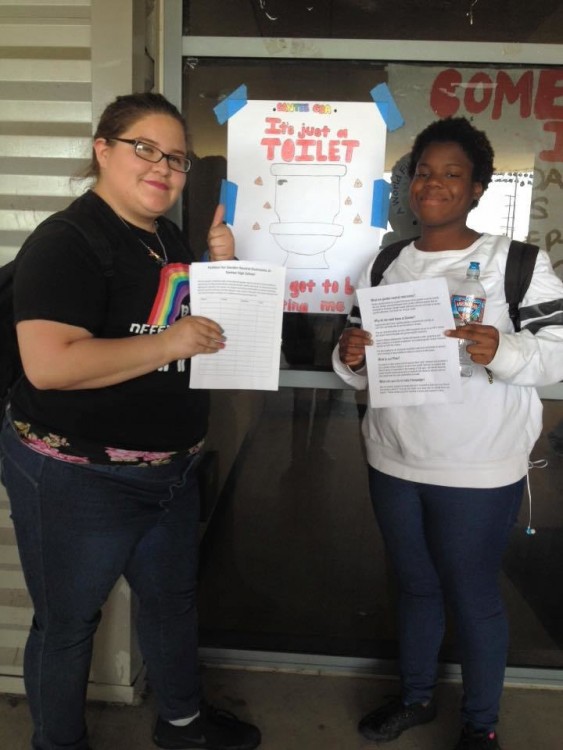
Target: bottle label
(467, 309)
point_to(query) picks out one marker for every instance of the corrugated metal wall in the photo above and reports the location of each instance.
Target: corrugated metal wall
(45, 137)
(49, 79)
(45, 110)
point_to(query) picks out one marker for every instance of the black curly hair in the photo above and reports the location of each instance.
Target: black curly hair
(457, 130)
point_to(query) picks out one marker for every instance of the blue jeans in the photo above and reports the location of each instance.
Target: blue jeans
(78, 528)
(446, 546)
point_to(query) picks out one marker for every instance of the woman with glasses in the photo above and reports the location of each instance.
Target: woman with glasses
(102, 435)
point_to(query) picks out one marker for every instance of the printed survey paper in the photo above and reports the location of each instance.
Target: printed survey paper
(411, 361)
(246, 299)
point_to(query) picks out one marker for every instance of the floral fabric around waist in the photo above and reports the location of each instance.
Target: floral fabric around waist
(82, 452)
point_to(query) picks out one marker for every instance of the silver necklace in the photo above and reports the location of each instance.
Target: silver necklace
(161, 260)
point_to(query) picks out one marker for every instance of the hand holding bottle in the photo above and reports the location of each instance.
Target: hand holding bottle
(483, 341)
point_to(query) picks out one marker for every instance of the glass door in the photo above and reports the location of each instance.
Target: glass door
(292, 561)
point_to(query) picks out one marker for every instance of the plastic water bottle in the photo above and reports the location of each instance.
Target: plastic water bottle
(468, 306)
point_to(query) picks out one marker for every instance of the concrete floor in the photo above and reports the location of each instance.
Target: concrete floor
(309, 712)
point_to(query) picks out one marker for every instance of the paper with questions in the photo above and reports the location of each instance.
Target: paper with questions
(246, 299)
(411, 361)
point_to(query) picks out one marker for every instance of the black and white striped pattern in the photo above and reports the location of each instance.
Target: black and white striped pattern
(535, 317)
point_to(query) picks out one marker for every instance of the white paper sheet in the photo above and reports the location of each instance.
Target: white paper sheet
(246, 299)
(411, 361)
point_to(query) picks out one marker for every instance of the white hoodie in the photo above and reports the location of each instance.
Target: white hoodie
(486, 440)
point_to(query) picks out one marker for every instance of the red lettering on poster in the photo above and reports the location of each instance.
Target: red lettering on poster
(270, 144)
(335, 307)
(301, 287)
(556, 153)
(288, 150)
(443, 99)
(290, 306)
(550, 88)
(349, 289)
(330, 286)
(311, 144)
(450, 96)
(479, 93)
(276, 126)
(507, 89)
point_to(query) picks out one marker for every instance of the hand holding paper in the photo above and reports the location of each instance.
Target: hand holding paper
(192, 335)
(352, 347)
(246, 301)
(411, 361)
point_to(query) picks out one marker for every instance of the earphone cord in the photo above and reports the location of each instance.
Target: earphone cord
(540, 464)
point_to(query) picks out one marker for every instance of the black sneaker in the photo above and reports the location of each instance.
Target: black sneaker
(471, 739)
(390, 720)
(214, 729)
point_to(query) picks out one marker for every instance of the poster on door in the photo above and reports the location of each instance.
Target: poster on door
(307, 193)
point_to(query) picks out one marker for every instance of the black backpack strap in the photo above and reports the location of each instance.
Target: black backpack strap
(384, 259)
(520, 264)
(92, 232)
(6, 277)
(96, 239)
(10, 363)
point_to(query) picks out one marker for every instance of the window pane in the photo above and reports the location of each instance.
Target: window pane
(439, 20)
(303, 454)
(296, 559)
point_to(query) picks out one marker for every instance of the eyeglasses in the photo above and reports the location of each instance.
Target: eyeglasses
(151, 153)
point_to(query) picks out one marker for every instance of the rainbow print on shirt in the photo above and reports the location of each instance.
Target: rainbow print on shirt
(173, 289)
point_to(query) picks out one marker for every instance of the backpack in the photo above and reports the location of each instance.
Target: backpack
(10, 363)
(520, 265)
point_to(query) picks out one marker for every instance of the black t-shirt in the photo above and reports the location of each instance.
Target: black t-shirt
(59, 278)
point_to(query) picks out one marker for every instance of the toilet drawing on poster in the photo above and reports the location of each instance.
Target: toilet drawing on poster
(307, 202)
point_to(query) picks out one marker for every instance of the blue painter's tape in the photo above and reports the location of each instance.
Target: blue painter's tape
(380, 203)
(387, 106)
(228, 197)
(231, 104)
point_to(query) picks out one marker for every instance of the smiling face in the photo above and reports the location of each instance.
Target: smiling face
(140, 191)
(442, 191)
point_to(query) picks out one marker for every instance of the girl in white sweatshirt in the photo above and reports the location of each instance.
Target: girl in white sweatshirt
(446, 480)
